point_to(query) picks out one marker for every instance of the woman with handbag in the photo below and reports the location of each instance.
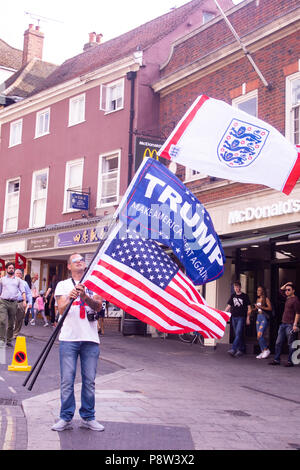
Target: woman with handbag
(263, 308)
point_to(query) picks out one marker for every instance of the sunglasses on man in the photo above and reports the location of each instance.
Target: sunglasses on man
(77, 260)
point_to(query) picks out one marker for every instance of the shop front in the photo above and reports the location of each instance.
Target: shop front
(47, 251)
(260, 236)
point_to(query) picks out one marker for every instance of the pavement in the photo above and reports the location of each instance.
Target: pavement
(167, 395)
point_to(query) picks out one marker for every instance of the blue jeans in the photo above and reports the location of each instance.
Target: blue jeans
(238, 324)
(68, 354)
(284, 332)
(261, 326)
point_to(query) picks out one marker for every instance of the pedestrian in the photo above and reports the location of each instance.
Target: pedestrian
(78, 338)
(10, 288)
(21, 310)
(288, 329)
(240, 307)
(40, 307)
(263, 309)
(101, 318)
(29, 310)
(35, 293)
(50, 300)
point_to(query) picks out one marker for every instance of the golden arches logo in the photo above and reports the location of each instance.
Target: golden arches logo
(151, 153)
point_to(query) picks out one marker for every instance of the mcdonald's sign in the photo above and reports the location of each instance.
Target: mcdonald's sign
(145, 148)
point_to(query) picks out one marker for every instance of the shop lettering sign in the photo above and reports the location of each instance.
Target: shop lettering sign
(40, 243)
(79, 237)
(291, 206)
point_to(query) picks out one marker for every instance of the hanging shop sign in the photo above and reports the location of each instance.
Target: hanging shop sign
(80, 201)
(145, 148)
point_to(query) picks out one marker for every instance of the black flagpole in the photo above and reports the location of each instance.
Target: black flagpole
(44, 354)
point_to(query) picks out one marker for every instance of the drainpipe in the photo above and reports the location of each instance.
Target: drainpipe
(131, 76)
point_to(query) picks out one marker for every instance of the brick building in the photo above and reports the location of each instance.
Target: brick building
(260, 227)
(81, 127)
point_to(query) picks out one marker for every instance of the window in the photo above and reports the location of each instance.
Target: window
(108, 181)
(73, 181)
(293, 108)
(191, 175)
(112, 96)
(15, 136)
(39, 198)
(11, 210)
(207, 16)
(42, 124)
(247, 103)
(77, 110)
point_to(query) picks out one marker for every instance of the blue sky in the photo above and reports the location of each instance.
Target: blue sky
(66, 23)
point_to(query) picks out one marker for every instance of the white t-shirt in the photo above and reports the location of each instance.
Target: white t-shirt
(74, 327)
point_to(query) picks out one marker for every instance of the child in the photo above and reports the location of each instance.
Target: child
(40, 306)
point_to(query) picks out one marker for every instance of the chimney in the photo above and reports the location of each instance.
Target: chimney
(98, 38)
(94, 40)
(33, 44)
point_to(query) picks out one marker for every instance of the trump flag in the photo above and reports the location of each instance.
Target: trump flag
(222, 141)
(159, 206)
(135, 274)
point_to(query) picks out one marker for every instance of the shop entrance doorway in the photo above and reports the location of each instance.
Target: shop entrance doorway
(52, 272)
(253, 268)
(270, 265)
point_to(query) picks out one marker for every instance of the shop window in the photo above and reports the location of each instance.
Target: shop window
(39, 198)
(293, 108)
(15, 136)
(42, 125)
(11, 209)
(247, 103)
(112, 96)
(108, 181)
(191, 175)
(77, 110)
(73, 181)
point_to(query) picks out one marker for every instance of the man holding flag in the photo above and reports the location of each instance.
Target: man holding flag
(133, 272)
(222, 141)
(78, 338)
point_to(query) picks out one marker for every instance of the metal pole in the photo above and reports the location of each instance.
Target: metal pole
(246, 52)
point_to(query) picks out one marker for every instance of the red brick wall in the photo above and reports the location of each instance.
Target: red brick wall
(276, 61)
(246, 20)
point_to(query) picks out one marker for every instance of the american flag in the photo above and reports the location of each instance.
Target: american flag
(136, 275)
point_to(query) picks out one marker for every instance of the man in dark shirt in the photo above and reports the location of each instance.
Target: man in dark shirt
(289, 324)
(240, 308)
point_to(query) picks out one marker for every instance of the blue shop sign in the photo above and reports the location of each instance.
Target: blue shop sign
(80, 201)
(80, 237)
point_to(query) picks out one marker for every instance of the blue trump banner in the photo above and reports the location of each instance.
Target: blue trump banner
(159, 206)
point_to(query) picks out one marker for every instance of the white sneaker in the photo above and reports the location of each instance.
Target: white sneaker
(93, 425)
(259, 356)
(266, 354)
(32, 322)
(61, 425)
(46, 324)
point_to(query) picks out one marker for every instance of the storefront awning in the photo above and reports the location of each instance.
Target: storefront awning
(240, 242)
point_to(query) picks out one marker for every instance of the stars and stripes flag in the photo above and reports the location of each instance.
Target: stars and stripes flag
(135, 274)
(220, 140)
